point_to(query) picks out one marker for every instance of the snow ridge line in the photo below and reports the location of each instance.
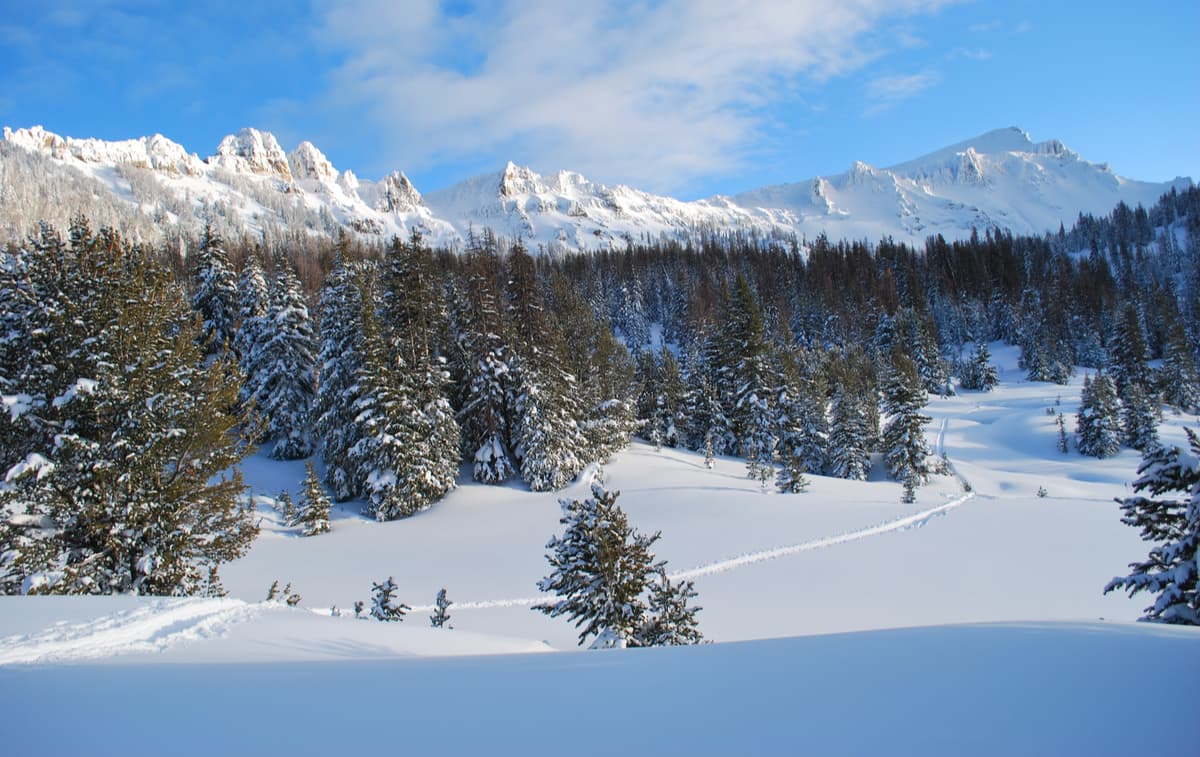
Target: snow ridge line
(722, 566)
(150, 628)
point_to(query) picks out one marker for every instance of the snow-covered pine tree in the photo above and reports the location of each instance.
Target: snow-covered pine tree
(253, 298)
(1128, 356)
(709, 428)
(904, 444)
(547, 440)
(1139, 417)
(1063, 445)
(803, 430)
(440, 617)
(670, 620)
(849, 453)
(1179, 380)
(1172, 525)
(382, 453)
(315, 514)
(121, 461)
(384, 605)
(755, 421)
(600, 567)
(1098, 425)
(978, 372)
(483, 357)
(340, 360)
(281, 368)
(215, 295)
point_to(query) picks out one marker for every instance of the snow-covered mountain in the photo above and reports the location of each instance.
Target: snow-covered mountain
(999, 179)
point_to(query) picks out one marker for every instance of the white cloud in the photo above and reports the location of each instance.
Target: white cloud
(652, 93)
(886, 91)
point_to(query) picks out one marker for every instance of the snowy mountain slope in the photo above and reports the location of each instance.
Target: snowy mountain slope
(1001, 178)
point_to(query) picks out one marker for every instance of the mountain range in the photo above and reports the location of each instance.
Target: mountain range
(251, 185)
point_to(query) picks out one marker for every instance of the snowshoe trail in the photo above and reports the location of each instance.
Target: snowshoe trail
(721, 566)
(151, 628)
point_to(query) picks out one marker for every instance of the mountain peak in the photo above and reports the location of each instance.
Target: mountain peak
(307, 162)
(516, 180)
(254, 152)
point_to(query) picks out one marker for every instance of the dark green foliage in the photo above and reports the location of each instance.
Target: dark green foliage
(1139, 416)
(121, 461)
(384, 605)
(978, 373)
(315, 512)
(341, 361)
(215, 296)
(1172, 525)
(904, 444)
(670, 619)
(1098, 426)
(600, 567)
(440, 617)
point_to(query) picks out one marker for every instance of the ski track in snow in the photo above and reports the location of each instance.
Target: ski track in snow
(150, 628)
(721, 566)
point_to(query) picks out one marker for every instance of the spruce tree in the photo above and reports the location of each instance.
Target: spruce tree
(849, 453)
(670, 620)
(978, 372)
(315, 513)
(1097, 426)
(1139, 416)
(904, 444)
(341, 362)
(384, 605)
(253, 298)
(548, 441)
(440, 617)
(1128, 354)
(121, 460)
(600, 567)
(483, 357)
(216, 293)
(281, 369)
(1172, 525)
(1179, 379)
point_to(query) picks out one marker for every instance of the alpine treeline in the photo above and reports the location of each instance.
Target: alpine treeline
(396, 363)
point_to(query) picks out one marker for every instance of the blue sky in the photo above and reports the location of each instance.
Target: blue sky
(689, 97)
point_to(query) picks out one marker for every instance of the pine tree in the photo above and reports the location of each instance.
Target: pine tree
(384, 451)
(281, 368)
(384, 605)
(978, 372)
(338, 389)
(755, 421)
(253, 298)
(1128, 353)
(1139, 418)
(216, 293)
(1172, 525)
(1063, 445)
(315, 515)
(547, 439)
(849, 453)
(600, 568)
(904, 444)
(1097, 426)
(440, 617)
(121, 461)
(671, 621)
(484, 357)
(1179, 379)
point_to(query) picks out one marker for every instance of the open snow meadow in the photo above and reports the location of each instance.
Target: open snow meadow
(843, 621)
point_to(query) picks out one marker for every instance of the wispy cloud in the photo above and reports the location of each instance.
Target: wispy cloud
(970, 53)
(885, 92)
(655, 93)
